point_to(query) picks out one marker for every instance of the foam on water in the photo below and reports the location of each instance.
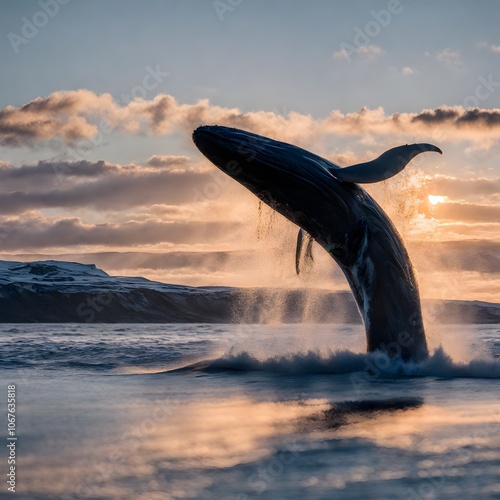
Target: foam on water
(336, 349)
(438, 364)
(455, 352)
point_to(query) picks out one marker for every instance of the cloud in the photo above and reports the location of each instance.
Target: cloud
(47, 174)
(200, 261)
(473, 201)
(468, 255)
(111, 193)
(341, 54)
(167, 161)
(480, 127)
(90, 117)
(33, 231)
(457, 189)
(370, 51)
(405, 71)
(51, 168)
(103, 186)
(59, 115)
(475, 255)
(489, 47)
(472, 230)
(448, 56)
(175, 189)
(467, 212)
(345, 158)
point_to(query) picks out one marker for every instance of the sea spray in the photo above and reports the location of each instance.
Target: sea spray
(438, 364)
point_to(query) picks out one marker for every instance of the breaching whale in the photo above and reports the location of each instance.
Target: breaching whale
(327, 203)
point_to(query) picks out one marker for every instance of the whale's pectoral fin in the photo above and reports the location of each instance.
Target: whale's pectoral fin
(385, 166)
(308, 257)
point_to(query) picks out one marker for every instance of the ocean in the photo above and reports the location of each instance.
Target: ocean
(199, 411)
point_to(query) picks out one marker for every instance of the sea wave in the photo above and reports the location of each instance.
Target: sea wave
(437, 364)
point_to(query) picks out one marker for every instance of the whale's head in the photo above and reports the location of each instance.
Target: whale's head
(293, 181)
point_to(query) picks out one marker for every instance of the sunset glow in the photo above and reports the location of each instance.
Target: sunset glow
(434, 199)
(98, 165)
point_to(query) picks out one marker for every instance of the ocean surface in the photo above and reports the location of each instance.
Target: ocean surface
(198, 411)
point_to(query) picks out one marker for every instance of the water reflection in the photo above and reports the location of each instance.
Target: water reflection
(225, 433)
(348, 412)
(233, 431)
(226, 443)
(429, 428)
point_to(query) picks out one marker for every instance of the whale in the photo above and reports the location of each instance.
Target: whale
(385, 166)
(302, 237)
(329, 206)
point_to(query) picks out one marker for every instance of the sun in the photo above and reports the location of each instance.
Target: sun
(434, 199)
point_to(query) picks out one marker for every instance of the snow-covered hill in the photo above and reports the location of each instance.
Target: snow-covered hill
(52, 275)
(54, 291)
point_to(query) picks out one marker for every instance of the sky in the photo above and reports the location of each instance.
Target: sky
(99, 99)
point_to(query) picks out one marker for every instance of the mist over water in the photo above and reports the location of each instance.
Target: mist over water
(336, 349)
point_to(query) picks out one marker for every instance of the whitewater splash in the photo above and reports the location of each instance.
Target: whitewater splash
(301, 349)
(373, 365)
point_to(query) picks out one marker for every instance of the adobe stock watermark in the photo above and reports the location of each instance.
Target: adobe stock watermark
(150, 81)
(433, 480)
(372, 29)
(282, 111)
(222, 7)
(93, 306)
(381, 361)
(129, 444)
(267, 474)
(152, 78)
(31, 27)
(483, 91)
(485, 88)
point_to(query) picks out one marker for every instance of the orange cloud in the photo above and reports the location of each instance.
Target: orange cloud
(457, 189)
(467, 212)
(114, 188)
(34, 231)
(81, 115)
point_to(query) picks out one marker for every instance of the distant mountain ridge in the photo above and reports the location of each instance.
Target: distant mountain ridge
(467, 255)
(59, 292)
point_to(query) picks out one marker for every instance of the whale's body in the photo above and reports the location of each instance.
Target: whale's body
(341, 217)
